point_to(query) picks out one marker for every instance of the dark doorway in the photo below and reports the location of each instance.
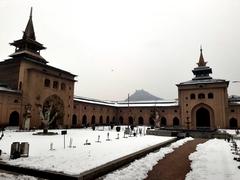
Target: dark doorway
(163, 122)
(113, 120)
(151, 122)
(93, 120)
(140, 120)
(130, 120)
(202, 118)
(101, 120)
(84, 120)
(175, 122)
(121, 120)
(14, 119)
(74, 120)
(233, 124)
(107, 120)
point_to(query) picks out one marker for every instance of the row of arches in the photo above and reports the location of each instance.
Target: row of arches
(201, 114)
(55, 84)
(131, 121)
(202, 96)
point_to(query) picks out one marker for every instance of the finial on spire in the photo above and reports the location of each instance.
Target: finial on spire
(201, 61)
(29, 30)
(31, 12)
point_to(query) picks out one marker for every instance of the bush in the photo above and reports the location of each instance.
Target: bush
(118, 128)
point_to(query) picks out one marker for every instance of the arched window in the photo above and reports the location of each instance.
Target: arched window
(210, 95)
(201, 96)
(74, 120)
(163, 122)
(63, 86)
(130, 120)
(140, 121)
(93, 120)
(192, 96)
(233, 124)
(55, 84)
(47, 83)
(175, 122)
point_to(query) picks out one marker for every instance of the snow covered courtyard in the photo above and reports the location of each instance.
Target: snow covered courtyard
(80, 158)
(214, 160)
(211, 160)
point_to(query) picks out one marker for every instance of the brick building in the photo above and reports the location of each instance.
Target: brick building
(27, 82)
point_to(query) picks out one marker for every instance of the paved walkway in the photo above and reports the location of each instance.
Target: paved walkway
(175, 165)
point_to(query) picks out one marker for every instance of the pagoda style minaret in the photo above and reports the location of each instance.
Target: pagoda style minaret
(202, 71)
(28, 47)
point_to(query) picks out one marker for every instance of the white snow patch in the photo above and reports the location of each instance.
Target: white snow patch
(213, 160)
(138, 169)
(5, 176)
(74, 160)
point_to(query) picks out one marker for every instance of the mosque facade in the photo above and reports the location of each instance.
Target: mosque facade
(28, 86)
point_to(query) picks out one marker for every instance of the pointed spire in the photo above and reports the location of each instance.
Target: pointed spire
(31, 12)
(29, 30)
(201, 61)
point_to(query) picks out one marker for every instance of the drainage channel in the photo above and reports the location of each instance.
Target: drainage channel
(94, 173)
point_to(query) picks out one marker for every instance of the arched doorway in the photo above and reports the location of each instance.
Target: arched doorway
(233, 124)
(121, 120)
(151, 122)
(107, 120)
(74, 120)
(202, 118)
(84, 121)
(140, 121)
(93, 120)
(57, 107)
(163, 122)
(130, 120)
(175, 122)
(113, 120)
(101, 120)
(14, 119)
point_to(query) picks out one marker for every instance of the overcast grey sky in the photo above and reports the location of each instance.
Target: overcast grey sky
(116, 47)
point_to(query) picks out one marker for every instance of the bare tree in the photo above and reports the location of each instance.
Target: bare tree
(46, 118)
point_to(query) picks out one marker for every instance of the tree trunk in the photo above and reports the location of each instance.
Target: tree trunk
(45, 130)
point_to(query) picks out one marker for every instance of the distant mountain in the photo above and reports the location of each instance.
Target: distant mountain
(141, 95)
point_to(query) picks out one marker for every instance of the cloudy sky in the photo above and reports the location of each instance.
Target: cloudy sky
(118, 46)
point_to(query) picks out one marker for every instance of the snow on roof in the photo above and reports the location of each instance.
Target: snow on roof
(234, 100)
(157, 103)
(8, 90)
(94, 101)
(203, 81)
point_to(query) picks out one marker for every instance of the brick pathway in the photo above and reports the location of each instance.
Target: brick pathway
(175, 165)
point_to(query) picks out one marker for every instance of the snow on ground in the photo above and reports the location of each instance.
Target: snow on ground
(5, 176)
(74, 160)
(213, 160)
(138, 169)
(231, 132)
